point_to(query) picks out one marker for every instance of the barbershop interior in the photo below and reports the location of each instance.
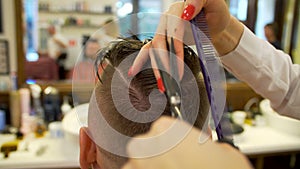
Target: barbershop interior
(48, 75)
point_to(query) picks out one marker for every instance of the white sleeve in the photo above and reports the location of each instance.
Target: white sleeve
(268, 71)
(61, 38)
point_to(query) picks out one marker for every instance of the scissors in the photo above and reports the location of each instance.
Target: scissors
(172, 91)
(169, 80)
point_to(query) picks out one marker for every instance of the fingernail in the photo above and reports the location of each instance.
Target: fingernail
(160, 85)
(188, 12)
(130, 72)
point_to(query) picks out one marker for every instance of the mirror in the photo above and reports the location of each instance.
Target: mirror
(55, 32)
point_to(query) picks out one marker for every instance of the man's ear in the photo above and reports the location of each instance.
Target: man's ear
(88, 149)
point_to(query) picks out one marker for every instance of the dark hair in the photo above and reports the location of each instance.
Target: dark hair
(139, 90)
(274, 27)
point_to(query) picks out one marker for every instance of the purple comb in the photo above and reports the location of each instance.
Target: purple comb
(211, 69)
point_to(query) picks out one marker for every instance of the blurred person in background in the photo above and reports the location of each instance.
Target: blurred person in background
(57, 49)
(271, 33)
(83, 70)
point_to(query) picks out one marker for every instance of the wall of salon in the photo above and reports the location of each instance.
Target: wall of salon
(296, 51)
(8, 27)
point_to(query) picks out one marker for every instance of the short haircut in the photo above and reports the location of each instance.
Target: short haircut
(139, 90)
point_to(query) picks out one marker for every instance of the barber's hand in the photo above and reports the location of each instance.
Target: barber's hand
(188, 153)
(174, 22)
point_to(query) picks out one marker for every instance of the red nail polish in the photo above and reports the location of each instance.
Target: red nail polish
(188, 12)
(130, 72)
(160, 85)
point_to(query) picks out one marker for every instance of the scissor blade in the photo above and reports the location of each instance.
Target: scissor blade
(173, 61)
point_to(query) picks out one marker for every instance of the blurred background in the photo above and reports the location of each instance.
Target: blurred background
(45, 43)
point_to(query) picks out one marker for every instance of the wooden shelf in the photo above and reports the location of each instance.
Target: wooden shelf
(81, 26)
(75, 12)
(4, 92)
(83, 15)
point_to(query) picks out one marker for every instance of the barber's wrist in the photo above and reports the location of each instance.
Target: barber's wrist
(229, 38)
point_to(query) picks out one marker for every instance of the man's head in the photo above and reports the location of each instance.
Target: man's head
(51, 30)
(271, 32)
(140, 90)
(91, 48)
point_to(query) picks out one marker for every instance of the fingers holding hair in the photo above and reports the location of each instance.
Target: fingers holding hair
(144, 53)
(170, 25)
(140, 60)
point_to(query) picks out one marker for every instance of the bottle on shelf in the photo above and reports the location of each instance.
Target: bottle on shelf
(38, 111)
(65, 107)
